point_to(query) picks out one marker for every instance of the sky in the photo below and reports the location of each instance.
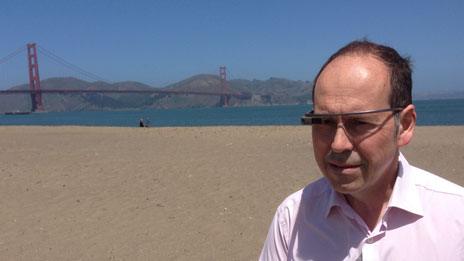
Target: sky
(162, 42)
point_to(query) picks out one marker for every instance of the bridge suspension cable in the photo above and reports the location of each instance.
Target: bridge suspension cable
(12, 55)
(71, 66)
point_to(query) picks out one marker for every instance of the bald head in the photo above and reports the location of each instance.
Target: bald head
(398, 69)
(360, 80)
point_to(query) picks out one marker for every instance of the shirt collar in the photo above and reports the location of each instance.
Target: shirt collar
(338, 200)
(404, 195)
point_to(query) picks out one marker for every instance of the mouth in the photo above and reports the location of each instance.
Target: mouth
(344, 168)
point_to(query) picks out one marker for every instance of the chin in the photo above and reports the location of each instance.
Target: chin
(345, 185)
(347, 189)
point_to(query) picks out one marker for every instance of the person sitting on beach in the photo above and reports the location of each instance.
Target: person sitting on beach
(142, 123)
(370, 204)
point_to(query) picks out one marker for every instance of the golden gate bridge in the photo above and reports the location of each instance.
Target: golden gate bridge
(36, 91)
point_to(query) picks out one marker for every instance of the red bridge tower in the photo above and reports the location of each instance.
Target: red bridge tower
(34, 80)
(224, 101)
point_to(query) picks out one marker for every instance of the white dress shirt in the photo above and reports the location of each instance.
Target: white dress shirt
(424, 221)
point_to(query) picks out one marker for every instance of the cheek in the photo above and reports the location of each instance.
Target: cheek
(321, 149)
(376, 149)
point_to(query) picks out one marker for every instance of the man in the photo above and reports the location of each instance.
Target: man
(370, 204)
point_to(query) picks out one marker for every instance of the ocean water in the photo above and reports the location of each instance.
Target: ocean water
(430, 112)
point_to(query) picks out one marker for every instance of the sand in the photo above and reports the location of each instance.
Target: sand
(86, 193)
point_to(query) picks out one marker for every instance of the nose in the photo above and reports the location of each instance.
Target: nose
(341, 142)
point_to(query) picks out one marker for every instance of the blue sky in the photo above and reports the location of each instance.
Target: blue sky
(162, 42)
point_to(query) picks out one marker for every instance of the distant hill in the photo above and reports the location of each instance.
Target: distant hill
(76, 102)
(280, 90)
(273, 91)
(268, 92)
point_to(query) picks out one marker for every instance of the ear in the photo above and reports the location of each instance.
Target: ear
(407, 125)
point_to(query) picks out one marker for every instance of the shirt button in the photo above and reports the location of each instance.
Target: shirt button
(370, 240)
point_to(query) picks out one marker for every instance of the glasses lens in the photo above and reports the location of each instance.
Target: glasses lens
(360, 126)
(324, 125)
(356, 126)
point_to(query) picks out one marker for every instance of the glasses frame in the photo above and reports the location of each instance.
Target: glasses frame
(310, 117)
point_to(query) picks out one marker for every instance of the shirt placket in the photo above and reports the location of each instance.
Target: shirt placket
(370, 245)
(368, 248)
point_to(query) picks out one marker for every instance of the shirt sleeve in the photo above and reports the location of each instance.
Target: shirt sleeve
(276, 244)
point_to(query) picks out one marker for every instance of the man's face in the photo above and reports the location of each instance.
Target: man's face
(353, 165)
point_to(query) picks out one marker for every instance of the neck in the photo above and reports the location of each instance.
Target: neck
(371, 204)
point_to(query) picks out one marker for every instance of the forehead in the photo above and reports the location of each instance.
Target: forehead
(353, 82)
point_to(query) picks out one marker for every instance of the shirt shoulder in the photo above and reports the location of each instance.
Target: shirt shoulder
(433, 183)
(313, 191)
(312, 198)
(441, 200)
(279, 239)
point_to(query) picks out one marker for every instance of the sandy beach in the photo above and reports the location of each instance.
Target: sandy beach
(87, 193)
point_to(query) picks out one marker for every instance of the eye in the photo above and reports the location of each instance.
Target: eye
(359, 125)
(359, 122)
